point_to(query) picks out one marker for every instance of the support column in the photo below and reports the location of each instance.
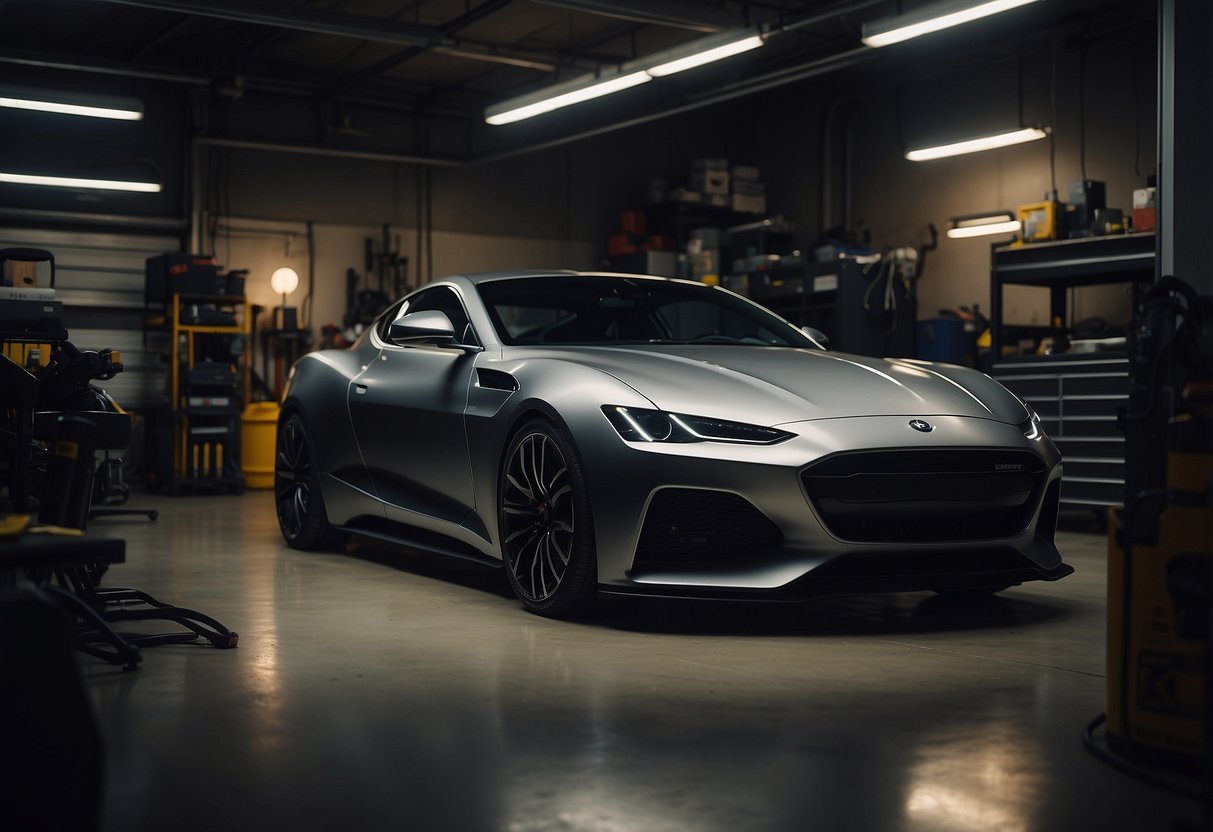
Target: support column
(1185, 134)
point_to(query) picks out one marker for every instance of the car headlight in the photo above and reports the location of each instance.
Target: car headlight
(1031, 426)
(640, 425)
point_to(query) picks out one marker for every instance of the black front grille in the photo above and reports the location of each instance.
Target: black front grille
(687, 527)
(925, 496)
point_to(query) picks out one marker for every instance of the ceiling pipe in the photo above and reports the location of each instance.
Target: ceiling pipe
(309, 150)
(301, 18)
(101, 68)
(676, 13)
(476, 52)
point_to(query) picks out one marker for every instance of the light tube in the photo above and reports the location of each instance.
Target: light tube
(982, 229)
(70, 109)
(932, 19)
(631, 74)
(1027, 134)
(73, 182)
(607, 87)
(706, 57)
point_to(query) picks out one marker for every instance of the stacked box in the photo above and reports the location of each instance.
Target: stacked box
(1144, 218)
(710, 176)
(748, 191)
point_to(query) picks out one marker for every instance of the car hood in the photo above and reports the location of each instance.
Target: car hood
(779, 385)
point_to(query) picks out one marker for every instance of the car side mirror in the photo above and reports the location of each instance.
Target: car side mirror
(817, 335)
(427, 327)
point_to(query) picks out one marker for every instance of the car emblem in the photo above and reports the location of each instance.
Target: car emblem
(919, 424)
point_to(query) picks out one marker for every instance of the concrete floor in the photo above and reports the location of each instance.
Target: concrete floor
(395, 690)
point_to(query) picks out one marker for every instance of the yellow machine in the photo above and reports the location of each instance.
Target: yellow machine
(1157, 621)
(1039, 220)
(1160, 546)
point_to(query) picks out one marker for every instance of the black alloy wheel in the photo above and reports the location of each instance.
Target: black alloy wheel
(297, 497)
(546, 529)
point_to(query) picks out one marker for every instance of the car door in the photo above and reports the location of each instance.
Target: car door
(407, 408)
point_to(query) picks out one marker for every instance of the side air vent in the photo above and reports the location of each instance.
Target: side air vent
(496, 380)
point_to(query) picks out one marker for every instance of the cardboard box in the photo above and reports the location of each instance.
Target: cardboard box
(1144, 219)
(1144, 197)
(748, 172)
(749, 187)
(710, 181)
(749, 204)
(21, 273)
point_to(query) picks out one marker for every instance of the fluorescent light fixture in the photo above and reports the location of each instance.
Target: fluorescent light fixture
(697, 53)
(69, 103)
(555, 102)
(727, 50)
(980, 225)
(1026, 134)
(73, 182)
(932, 18)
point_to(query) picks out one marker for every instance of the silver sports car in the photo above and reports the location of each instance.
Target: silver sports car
(604, 433)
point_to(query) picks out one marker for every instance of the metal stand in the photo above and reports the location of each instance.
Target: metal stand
(112, 605)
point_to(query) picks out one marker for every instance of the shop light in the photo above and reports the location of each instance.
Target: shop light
(980, 225)
(72, 104)
(701, 56)
(1026, 134)
(697, 53)
(75, 182)
(517, 110)
(933, 18)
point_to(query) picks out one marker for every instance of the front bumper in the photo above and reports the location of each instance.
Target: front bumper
(806, 556)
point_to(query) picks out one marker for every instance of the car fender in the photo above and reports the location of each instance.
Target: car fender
(567, 394)
(321, 380)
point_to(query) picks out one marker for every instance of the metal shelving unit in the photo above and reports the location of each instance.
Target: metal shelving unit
(1077, 395)
(208, 386)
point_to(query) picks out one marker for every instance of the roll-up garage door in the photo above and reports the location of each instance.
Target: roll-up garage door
(99, 279)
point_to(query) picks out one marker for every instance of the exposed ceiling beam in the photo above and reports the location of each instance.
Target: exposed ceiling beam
(447, 30)
(681, 14)
(301, 18)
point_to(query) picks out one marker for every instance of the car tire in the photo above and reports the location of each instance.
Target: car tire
(297, 498)
(546, 527)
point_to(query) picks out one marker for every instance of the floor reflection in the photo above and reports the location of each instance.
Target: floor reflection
(989, 777)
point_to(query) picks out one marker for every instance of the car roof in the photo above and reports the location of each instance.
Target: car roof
(486, 277)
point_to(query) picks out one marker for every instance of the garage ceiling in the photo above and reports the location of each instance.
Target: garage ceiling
(413, 77)
(449, 55)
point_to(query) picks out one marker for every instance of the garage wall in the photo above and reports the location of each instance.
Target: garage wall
(896, 199)
(261, 246)
(557, 206)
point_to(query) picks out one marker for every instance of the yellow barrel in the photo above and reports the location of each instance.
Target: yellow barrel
(258, 432)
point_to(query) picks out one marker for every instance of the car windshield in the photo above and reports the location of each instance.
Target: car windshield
(585, 309)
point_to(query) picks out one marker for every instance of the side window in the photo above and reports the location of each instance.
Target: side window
(443, 299)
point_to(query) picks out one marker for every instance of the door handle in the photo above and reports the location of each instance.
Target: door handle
(360, 389)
